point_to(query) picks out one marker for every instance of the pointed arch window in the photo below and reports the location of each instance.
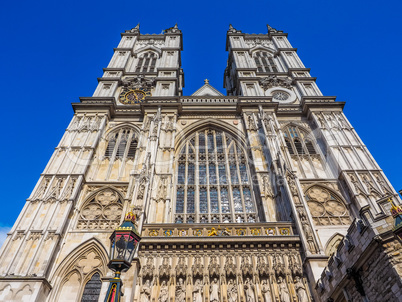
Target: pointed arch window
(146, 62)
(92, 289)
(213, 180)
(122, 144)
(297, 142)
(264, 62)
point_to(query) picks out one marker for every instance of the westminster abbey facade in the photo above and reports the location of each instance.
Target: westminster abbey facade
(265, 194)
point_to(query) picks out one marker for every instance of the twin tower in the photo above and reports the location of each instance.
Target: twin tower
(265, 194)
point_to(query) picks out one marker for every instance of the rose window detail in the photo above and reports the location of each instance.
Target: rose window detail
(326, 207)
(102, 212)
(280, 95)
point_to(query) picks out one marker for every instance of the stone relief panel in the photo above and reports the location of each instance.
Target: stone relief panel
(102, 212)
(221, 275)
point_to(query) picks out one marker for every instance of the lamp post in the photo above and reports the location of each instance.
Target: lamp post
(123, 242)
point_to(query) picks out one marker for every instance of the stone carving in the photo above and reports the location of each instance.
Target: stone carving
(213, 266)
(164, 268)
(162, 189)
(198, 267)
(278, 264)
(148, 269)
(382, 184)
(251, 122)
(294, 265)
(356, 185)
(309, 237)
(292, 185)
(180, 291)
(283, 290)
(266, 290)
(181, 267)
(232, 291)
(257, 41)
(170, 124)
(249, 290)
(369, 185)
(55, 190)
(146, 292)
(246, 267)
(68, 190)
(275, 81)
(103, 212)
(41, 190)
(267, 187)
(214, 291)
(138, 82)
(300, 290)
(197, 291)
(230, 267)
(141, 189)
(262, 267)
(164, 292)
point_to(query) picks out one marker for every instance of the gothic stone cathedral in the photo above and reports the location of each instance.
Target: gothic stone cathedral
(266, 194)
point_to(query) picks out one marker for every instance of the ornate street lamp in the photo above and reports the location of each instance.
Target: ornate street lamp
(123, 242)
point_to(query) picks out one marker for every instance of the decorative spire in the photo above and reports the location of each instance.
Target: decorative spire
(271, 29)
(174, 29)
(233, 30)
(135, 30)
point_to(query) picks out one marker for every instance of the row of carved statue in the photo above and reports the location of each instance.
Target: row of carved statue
(268, 288)
(259, 264)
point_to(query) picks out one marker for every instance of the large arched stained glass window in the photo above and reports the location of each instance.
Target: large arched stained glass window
(213, 180)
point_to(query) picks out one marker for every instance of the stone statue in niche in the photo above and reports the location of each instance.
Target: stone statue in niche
(164, 292)
(283, 290)
(146, 292)
(214, 291)
(232, 291)
(300, 290)
(180, 291)
(249, 290)
(197, 291)
(266, 291)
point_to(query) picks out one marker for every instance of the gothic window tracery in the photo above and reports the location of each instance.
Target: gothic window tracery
(297, 141)
(122, 144)
(102, 212)
(264, 62)
(326, 207)
(213, 180)
(146, 62)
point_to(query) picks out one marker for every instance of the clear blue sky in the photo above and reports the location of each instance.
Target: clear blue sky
(53, 51)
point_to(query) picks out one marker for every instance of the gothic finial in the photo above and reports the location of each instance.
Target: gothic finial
(230, 26)
(206, 81)
(175, 26)
(138, 26)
